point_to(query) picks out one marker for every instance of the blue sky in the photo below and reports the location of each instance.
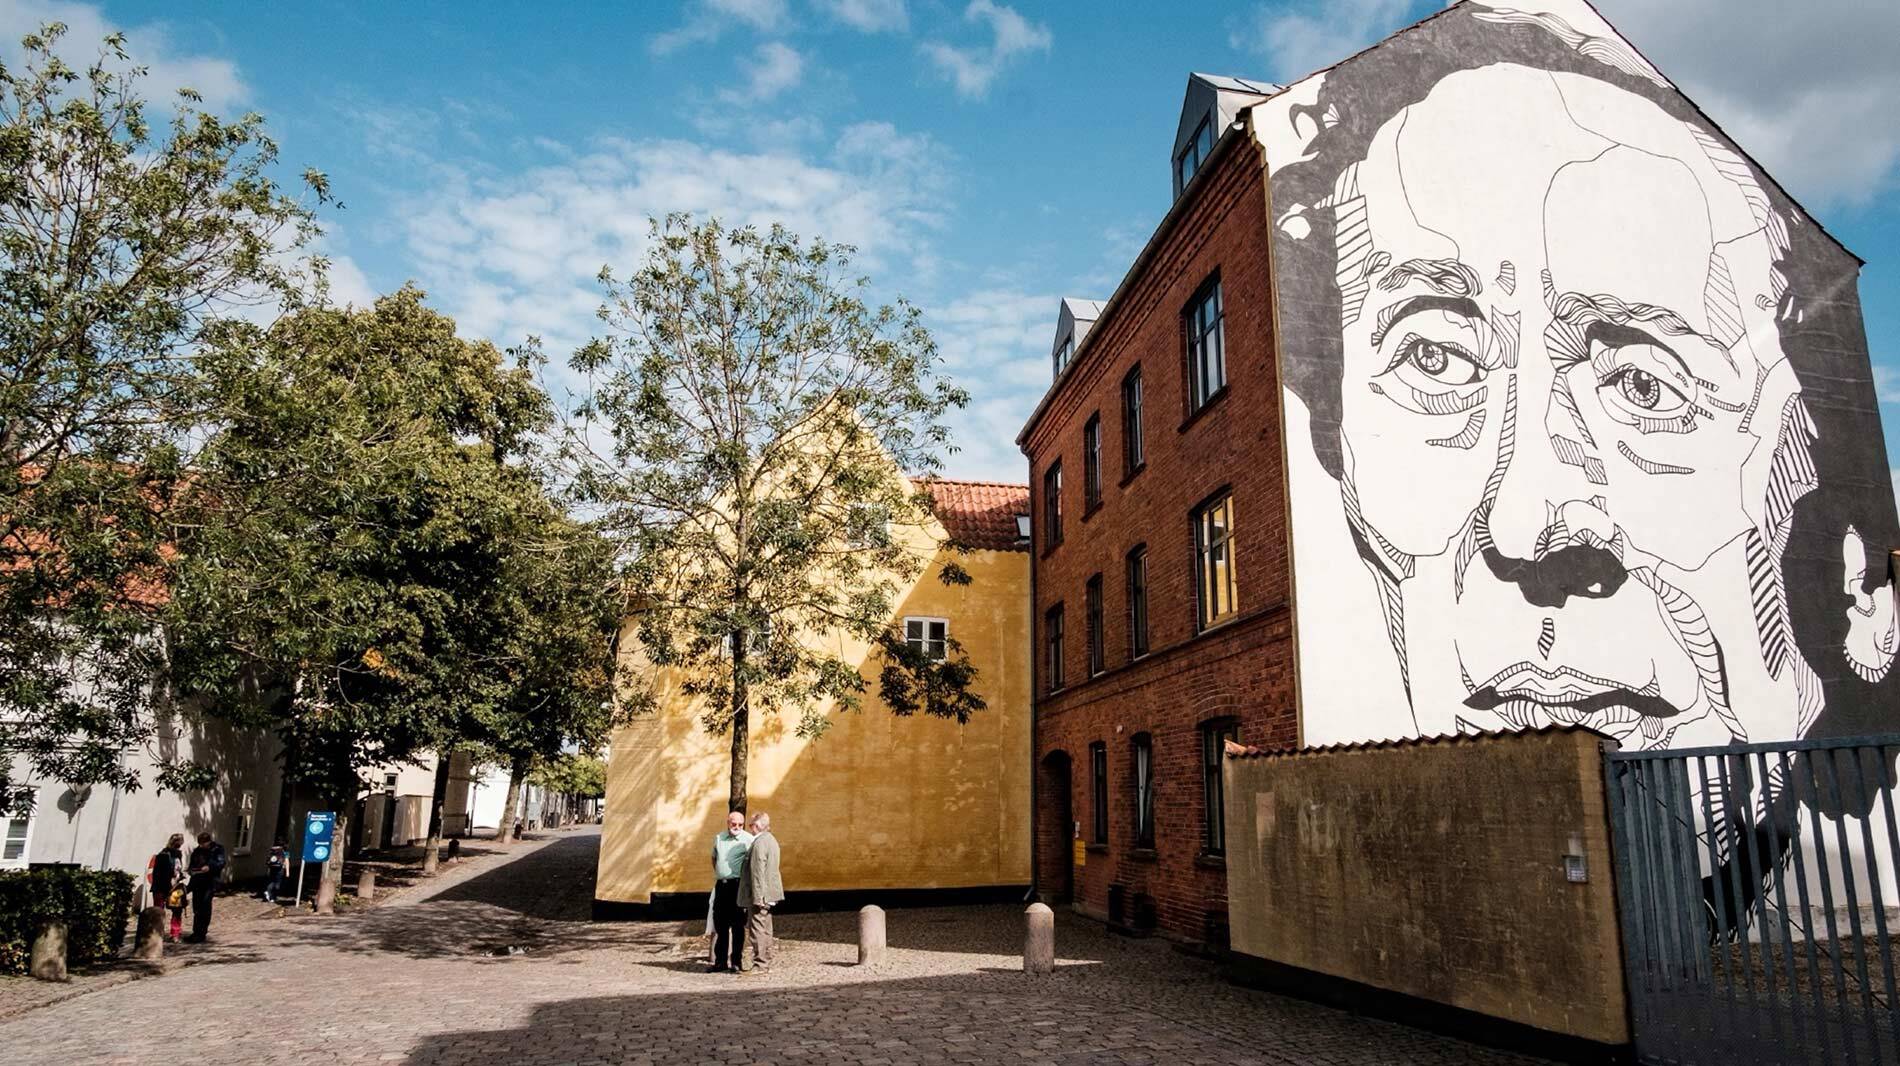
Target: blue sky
(987, 157)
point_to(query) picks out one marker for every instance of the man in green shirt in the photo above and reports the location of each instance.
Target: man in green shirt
(729, 859)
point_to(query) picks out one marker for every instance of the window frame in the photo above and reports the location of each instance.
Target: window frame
(1142, 764)
(1092, 463)
(27, 796)
(925, 641)
(1134, 445)
(1200, 145)
(1064, 354)
(246, 832)
(1097, 626)
(1052, 506)
(1204, 576)
(1098, 793)
(1135, 574)
(1052, 638)
(1214, 732)
(1201, 391)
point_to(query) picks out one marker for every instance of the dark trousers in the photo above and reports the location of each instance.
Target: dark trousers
(275, 887)
(728, 925)
(201, 908)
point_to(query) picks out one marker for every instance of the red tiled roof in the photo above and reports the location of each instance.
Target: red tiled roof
(981, 514)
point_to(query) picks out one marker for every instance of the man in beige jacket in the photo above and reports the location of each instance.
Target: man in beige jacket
(759, 889)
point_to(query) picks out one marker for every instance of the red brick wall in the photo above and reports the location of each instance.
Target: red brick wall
(1242, 669)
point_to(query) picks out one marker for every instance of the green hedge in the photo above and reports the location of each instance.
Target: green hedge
(95, 904)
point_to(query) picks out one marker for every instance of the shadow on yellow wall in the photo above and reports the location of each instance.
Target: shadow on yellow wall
(878, 802)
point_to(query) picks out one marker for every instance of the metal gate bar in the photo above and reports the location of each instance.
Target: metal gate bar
(1727, 964)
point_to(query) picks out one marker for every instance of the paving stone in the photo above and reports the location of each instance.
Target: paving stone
(427, 980)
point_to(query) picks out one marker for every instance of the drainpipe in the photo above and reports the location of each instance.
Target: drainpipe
(112, 820)
(1035, 718)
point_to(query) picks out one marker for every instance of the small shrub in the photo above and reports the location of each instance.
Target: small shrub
(94, 904)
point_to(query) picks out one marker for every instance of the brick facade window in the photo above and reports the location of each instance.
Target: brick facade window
(1206, 346)
(1052, 642)
(1214, 588)
(1098, 656)
(1144, 759)
(1134, 453)
(1098, 792)
(1214, 737)
(1092, 463)
(1138, 602)
(1052, 505)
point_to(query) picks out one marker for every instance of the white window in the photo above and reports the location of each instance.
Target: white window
(17, 820)
(928, 635)
(247, 822)
(1064, 352)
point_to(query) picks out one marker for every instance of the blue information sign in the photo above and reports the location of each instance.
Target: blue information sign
(317, 829)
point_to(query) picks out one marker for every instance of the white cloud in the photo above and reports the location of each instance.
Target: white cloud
(972, 69)
(1886, 383)
(1296, 43)
(995, 343)
(774, 68)
(169, 67)
(516, 254)
(871, 16)
(706, 20)
(1809, 92)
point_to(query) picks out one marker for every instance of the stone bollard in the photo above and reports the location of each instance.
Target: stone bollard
(1039, 939)
(871, 936)
(150, 944)
(366, 885)
(49, 951)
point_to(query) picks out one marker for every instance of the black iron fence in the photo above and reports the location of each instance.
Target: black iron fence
(1756, 885)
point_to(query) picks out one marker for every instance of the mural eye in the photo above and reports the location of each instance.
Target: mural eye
(1441, 362)
(1639, 390)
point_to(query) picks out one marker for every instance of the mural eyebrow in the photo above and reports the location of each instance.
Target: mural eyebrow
(1448, 277)
(1457, 305)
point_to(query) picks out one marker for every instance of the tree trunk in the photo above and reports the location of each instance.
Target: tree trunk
(432, 854)
(331, 880)
(517, 769)
(736, 800)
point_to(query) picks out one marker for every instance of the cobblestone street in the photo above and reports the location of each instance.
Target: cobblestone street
(497, 963)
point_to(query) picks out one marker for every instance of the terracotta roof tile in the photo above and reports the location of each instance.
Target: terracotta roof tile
(981, 514)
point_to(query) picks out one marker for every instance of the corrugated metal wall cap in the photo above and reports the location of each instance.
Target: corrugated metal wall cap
(1245, 751)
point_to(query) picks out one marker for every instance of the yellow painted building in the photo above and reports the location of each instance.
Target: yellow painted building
(880, 805)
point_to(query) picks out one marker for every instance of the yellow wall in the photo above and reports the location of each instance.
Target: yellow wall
(877, 802)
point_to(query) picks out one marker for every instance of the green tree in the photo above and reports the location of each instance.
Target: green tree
(579, 775)
(750, 440)
(121, 244)
(555, 622)
(345, 530)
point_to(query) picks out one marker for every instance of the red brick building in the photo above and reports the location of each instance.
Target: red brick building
(1162, 615)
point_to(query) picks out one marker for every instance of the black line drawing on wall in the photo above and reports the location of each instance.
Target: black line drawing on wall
(1581, 426)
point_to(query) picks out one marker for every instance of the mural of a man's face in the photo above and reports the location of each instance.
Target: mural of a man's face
(1569, 432)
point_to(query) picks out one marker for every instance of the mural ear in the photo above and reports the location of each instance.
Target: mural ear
(1872, 637)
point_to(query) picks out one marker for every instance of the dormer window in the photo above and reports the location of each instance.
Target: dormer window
(1064, 352)
(1199, 147)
